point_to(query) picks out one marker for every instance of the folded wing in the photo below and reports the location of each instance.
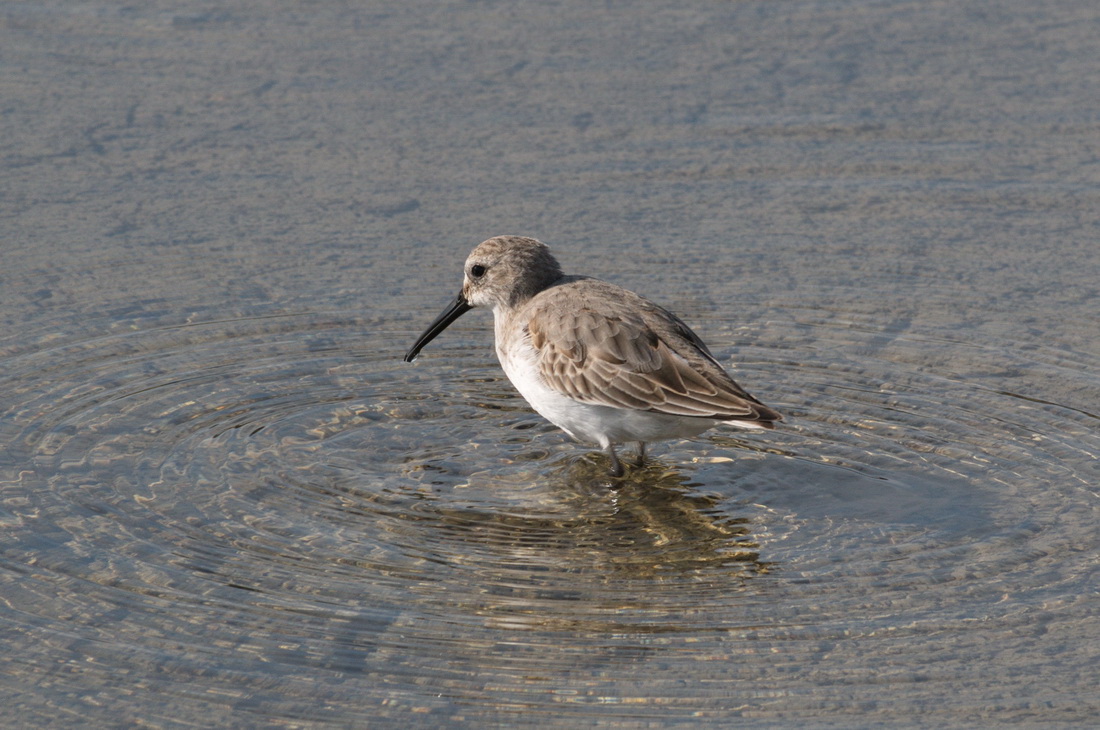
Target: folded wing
(638, 356)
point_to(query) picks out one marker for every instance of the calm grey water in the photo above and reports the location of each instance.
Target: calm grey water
(224, 499)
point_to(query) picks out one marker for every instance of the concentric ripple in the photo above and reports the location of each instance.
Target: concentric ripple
(208, 508)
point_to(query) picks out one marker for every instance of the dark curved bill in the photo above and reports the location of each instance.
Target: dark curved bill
(456, 309)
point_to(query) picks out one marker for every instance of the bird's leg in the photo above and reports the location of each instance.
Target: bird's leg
(616, 465)
(641, 454)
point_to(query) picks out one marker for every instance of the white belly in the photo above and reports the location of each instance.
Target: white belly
(589, 422)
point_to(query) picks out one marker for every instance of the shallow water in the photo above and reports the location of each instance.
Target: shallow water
(226, 501)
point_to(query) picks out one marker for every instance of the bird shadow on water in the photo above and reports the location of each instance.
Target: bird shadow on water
(540, 532)
(565, 547)
(653, 523)
(820, 488)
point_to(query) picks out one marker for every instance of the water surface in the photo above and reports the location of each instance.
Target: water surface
(226, 501)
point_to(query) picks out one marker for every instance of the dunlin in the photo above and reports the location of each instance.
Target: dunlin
(600, 362)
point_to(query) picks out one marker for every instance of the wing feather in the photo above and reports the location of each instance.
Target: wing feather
(631, 354)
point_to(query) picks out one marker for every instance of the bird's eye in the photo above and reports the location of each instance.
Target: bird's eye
(477, 271)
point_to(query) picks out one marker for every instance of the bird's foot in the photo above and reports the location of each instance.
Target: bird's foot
(616, 466)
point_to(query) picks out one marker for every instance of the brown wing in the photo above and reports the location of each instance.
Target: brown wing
(629, 353)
